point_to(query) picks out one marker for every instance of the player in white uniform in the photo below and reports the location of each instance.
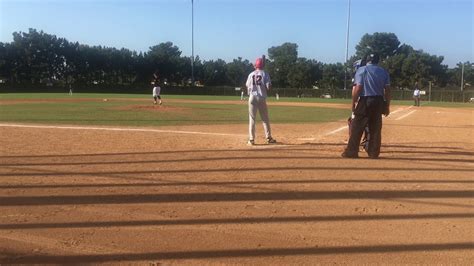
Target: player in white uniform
(258, 83)
(416, 95)
(156, 93)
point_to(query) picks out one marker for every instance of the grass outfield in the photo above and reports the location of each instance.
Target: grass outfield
(13, 96)
(137, 110)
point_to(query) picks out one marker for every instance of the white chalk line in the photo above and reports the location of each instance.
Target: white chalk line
(179, 131)
(308, 139)
(336, 130)
(347, 127)
(123, 129)
(400, 109)
(405, 115)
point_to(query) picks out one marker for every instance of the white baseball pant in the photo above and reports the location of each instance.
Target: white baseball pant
(257, 103)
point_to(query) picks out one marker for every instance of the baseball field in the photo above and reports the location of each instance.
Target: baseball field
(102, 178)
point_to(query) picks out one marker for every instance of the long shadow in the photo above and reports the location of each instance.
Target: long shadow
(130, 153)
(249, 182)
(430, 152)
(415, 150)
(296, 147)
(254, 170)
(432, 203)
(182, 160)
(411, 126)
(232, 197)
(402, 146)
(239, 253)
(164, 161)
(250, 220)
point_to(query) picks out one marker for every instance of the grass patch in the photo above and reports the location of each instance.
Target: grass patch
(123, 111)
(26, 96)
(32, 96)
(136, 110)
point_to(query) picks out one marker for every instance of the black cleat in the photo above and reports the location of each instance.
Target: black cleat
(348, 155)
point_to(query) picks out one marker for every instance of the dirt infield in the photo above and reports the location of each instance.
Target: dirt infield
(199, 195)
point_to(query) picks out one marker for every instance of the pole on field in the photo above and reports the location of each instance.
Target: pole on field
(429, 95)
(347, 45)
(192, 42)
(462, 76)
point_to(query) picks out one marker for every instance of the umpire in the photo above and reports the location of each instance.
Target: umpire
(370, 99)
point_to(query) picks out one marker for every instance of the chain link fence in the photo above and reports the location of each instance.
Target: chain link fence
(437, 94)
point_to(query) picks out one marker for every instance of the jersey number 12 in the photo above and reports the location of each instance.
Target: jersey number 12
(257, 80)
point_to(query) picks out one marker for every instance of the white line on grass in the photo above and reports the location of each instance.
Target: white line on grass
(123, 129)
(405, 115)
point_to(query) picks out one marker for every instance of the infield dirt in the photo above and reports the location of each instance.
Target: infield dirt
(102, 196)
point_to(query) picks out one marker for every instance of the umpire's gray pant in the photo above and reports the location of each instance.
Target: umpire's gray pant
(260, 104)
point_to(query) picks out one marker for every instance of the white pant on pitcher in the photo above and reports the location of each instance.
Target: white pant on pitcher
(257, 103)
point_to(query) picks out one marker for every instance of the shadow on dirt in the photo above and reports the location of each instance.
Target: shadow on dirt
(237, 253)
(232, 197)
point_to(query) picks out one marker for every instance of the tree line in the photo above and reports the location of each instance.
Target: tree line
(35, 57)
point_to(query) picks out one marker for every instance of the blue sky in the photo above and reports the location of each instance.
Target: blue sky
(228, 29)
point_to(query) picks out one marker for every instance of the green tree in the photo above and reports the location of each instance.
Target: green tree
(7, 62)
(333, 76)
(383, 43)
(36, 56)
(282, 59)
(404, 64)
(214, 72)
(409, 66)
(198, 70)
(165, 58)
(237, 71)
(454, 75)
(304, 73)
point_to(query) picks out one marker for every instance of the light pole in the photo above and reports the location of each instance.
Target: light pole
(192, 42)
(347, 45)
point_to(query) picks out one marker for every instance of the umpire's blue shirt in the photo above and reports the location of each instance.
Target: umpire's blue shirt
(373, 80)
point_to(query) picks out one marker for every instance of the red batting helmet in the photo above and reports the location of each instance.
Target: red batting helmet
(259, 63)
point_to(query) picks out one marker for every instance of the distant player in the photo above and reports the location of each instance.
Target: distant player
(416, 94)
(156, 93)
(242, 94)
(258, 84)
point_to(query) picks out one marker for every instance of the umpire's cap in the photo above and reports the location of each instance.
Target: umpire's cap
(373, 58)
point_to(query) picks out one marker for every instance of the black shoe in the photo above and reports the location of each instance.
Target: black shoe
(348, 155)
(372, 156)
(271, 140)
